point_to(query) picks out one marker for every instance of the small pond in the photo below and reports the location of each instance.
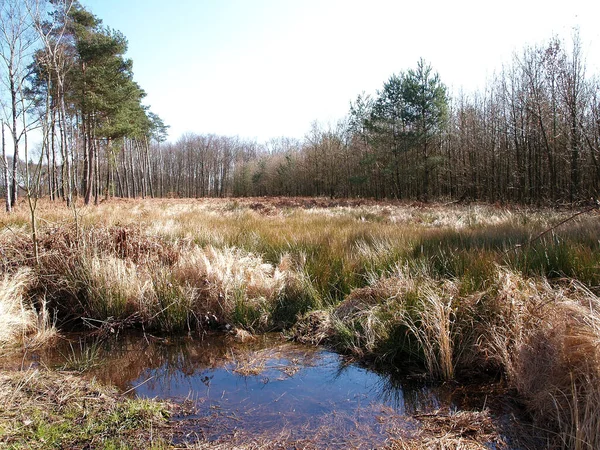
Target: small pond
(265, 386)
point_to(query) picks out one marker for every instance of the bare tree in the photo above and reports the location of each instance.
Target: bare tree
(573, 93)
(56, 59)
(17, 43)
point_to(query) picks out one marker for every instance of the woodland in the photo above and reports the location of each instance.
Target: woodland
(531, 136)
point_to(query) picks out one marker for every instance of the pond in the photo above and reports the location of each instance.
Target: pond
(265, 387)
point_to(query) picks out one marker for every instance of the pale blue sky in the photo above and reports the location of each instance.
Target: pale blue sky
(267, 68)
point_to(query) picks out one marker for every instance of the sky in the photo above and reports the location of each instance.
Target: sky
(261, 69)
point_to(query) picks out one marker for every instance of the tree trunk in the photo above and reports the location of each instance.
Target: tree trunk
(15, 165)
(96, 172)
(6, 173)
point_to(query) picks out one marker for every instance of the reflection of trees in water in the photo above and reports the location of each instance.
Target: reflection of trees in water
(173, 360)
(135, 357)
(129, 356)
(404, 395)
(167, 363)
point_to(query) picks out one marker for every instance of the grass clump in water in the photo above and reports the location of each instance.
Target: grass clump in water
(544, 339)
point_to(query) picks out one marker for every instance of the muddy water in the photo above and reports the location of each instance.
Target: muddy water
(264, 387)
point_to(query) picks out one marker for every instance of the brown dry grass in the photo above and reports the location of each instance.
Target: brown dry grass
(548, 342)
(16, 317)
(384, 280)
(20, 322)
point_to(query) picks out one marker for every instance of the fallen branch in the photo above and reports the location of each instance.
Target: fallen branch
(543, 233)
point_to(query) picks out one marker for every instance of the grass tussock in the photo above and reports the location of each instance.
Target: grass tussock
(548, 342)
(402, 316)
(20, 322)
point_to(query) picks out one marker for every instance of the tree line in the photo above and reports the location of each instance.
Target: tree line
(532, 135)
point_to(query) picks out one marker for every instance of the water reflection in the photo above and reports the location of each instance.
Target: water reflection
(259, 386)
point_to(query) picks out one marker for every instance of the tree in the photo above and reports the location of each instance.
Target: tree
(51, 67)
(409, 113)
(425, 111)
(5, 173)
(17, 42)
(573, 88)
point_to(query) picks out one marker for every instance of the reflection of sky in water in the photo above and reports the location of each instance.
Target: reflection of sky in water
(319, 385)
(315, 389)
(273, 397)
(298, 387)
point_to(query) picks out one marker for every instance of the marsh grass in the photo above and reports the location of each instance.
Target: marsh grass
(571, 251)
(432, 326)
(402, 317)
(83, 356)
(454, 291)
(169, 305)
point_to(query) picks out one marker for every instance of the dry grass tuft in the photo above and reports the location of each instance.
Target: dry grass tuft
(230, 284)
(20, 322)
(119, 285)
(220, 273)
(446, 430)
(17, 319)
(394, 287)
(432, 322)
(547, 340)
